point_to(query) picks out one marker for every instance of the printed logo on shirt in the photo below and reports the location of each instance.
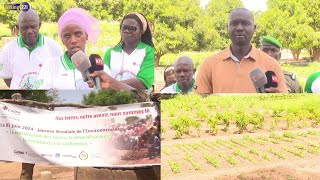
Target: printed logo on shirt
(30, 81)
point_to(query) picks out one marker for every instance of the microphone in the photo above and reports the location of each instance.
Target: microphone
(96, 65)
(272, 80)
(82, 63)
(259, 79)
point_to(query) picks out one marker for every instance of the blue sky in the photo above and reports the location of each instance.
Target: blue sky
(253, 5)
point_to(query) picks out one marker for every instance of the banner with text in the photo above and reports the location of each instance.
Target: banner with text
(114, 136)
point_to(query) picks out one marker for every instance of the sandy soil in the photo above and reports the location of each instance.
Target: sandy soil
(11, 171)
(292, 167)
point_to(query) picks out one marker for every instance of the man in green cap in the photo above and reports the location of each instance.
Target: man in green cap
(272, 47)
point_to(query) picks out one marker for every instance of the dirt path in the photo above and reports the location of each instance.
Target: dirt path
(12, 170)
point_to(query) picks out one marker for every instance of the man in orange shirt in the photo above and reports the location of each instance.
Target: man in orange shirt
(229, 70)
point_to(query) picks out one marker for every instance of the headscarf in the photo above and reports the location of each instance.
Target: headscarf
(82, 18)
(142, 19)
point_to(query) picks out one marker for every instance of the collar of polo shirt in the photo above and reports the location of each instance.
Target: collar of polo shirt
(178, 90)
(66, 62)
(39, 43)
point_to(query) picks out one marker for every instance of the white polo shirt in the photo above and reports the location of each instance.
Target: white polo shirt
(60, 73)
(139, 64)
(22, 65)
(174, 89)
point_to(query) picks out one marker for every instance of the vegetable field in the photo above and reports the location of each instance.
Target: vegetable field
(226, 136)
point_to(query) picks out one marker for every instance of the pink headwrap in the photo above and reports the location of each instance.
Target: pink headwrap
(82, 18)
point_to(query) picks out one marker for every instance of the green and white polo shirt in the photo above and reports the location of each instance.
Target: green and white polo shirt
(174, 89)
(22, 64)
(139, 64)
(313, 83)
(60, 73)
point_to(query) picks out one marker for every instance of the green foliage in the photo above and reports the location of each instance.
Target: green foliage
(175, 167)
(212, 160)
(182, 125)
(107, 98)
(35, 95)
(219, 11)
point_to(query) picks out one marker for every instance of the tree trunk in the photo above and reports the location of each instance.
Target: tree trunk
(316, 53)
(295, 54)
(14, 30)
(157, 59)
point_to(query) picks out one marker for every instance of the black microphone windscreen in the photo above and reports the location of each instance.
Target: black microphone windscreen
(272, 80)
(96, 63)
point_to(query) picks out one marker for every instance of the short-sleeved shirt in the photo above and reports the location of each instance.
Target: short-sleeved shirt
(22, 64)
(313, 83)
(139, 64)
(292, 82)
(60, 73)
(174, 89)
(222, 74)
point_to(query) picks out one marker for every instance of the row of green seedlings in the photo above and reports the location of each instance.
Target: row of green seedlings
(294, 115)
(246, 141)
(314, 149)
(182, 124)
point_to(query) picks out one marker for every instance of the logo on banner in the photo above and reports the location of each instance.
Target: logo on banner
(57, 155)
(16, 152)
(83, 155)
(46, 155)
(12, 111)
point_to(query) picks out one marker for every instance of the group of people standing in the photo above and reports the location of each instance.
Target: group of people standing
(34, 61)
(229, 70)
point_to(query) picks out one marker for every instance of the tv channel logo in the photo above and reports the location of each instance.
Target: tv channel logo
(17, 6)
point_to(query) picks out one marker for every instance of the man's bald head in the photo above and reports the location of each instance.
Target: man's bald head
(29, 26)
(30, 14)
(184, 71)
(241, 27)
(241, 10)
(183, 60)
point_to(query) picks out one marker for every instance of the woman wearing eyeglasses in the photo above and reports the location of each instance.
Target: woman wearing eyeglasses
(131, 61)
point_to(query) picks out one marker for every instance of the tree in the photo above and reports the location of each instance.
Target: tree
(218, 11)
(9, 17)
(312, 9)
(35, 95)
(287, 21)
(107, 98)
(51, 10)
(174, 26)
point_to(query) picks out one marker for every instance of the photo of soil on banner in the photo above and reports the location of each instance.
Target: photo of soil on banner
(102, 129)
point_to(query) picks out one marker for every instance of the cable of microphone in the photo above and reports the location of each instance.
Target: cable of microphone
(96, 65)
(259, 79)
(272, 80)
(82, 64)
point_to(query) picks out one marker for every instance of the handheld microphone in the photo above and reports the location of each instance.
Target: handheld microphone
(96, 65)
(259, 79)
(272, 80)
(82, 63)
